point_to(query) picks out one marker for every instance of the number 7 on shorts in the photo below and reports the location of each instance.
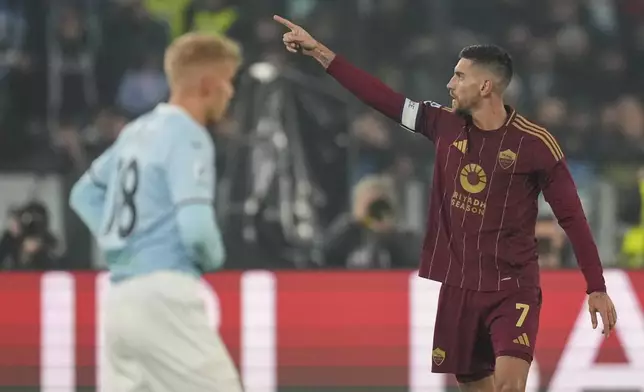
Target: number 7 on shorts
(524, 308)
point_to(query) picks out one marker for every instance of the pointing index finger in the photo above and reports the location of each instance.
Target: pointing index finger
(284, 22)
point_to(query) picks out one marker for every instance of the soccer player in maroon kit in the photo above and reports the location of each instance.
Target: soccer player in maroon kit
(491, 165)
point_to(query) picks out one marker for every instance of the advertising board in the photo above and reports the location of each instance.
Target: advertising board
(305, 331)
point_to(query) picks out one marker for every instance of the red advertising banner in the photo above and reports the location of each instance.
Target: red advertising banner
(305, 331)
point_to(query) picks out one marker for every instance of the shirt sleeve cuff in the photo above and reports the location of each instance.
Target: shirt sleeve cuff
(337, 62)
(597, 289)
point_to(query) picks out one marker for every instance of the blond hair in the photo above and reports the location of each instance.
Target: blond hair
(197, 49)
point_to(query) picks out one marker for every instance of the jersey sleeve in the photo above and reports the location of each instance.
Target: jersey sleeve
(419, 117)
(100, 170)
(560, 192)
(190, 168)
(88, 195)
(423, 117)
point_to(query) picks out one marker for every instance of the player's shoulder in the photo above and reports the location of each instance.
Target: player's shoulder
(437, 106)
(537, 135)
(445, 116)
(169, 117)
(134, 135)
(174, 126)
(161, 131)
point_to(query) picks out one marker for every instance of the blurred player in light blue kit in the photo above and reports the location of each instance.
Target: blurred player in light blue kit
(148, 200)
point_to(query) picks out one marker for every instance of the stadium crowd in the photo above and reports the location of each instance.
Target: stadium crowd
(74, 72)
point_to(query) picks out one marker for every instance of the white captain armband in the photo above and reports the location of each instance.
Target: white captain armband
(411, 111)
(409, 115)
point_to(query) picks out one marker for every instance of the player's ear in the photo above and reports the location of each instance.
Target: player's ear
(205, 85)
(486, 87)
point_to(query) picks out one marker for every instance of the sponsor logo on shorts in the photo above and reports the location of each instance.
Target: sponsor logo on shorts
(438, 356)
(522, 340)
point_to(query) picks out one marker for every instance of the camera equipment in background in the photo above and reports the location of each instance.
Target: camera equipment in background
(279, 184)
(33, 219)
(380, 209)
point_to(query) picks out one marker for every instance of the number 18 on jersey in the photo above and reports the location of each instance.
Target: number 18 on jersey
(121, 212)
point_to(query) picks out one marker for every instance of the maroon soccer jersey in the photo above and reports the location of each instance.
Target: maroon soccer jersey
(481, 223)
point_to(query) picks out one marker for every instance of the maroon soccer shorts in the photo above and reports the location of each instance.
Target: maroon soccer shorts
(473, 328)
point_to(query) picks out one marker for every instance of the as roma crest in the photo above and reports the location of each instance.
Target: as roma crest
(438, 356)
(507, 158)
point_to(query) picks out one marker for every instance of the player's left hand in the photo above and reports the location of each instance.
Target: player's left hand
(601, 303)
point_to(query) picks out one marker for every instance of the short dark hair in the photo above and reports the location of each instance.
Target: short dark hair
(492, 56)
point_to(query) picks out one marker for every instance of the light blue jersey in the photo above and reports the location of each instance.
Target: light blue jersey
(148, 199)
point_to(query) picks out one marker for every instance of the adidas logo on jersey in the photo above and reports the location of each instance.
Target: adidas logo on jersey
(461, 145)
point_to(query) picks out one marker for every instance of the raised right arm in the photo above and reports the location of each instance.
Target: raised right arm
(415, 116)
(370, 90)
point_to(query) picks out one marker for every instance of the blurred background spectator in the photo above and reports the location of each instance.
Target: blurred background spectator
(296, 151)
(27, 243)
(370, 236)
